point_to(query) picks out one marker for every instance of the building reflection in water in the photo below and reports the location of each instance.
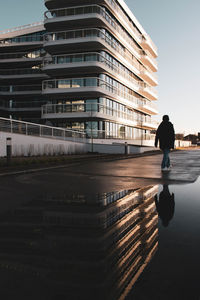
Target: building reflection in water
(82, 247)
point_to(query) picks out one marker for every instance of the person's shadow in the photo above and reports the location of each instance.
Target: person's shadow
(165, 205)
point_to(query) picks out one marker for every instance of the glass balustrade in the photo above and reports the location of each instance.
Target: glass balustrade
(90, 108)
(22, 39)
(94, 32)
(123, 113)
(122, 91)
(91, 9)
(20, 88)
(22, 55)
(26, 71)
(111, 63)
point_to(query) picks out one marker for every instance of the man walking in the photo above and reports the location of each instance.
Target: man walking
(166, 137)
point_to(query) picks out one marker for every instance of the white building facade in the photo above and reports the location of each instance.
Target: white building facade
(97, 71)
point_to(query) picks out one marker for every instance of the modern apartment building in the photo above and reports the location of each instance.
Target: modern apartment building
(90, 66)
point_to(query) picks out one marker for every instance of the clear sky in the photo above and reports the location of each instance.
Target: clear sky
(174, 26)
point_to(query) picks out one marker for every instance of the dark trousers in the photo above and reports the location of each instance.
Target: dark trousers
(166, 160)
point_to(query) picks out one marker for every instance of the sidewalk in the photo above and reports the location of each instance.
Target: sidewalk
(185, 166)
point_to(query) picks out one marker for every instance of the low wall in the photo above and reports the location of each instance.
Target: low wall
(119, 148)
(33, 145)
(179, 143)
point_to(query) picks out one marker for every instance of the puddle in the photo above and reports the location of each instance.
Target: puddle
(174, 272)
(132, 244)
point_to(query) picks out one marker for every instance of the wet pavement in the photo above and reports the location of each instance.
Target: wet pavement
(110, 229)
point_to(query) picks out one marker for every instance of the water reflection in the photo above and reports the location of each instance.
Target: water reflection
(81, 246)
(165, 205)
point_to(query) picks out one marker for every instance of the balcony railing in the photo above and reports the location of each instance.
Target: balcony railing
(148, 39)
(24, 71)
(27, 128)
(91, 9)
(21, 27)
(83, 33)
(20, 88)
(22, 55)
(90, 33)
(85, 82)
(88, 108)
(130, 24)
(91, 109)
(21, 40)
(17, 105)
(117, 9)
(95, 57)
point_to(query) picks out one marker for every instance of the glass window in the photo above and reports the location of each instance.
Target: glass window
(64, 84)
(91, 105)
(90, 81)
(77, 58)
(77, 82)
(90, 57)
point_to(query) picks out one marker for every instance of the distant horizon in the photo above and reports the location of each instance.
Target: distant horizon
(178, 62)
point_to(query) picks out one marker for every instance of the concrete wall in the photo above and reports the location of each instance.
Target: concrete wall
(119, 148)
(179, 143)
(31, 145)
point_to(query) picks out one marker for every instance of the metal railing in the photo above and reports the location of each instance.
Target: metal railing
(20, 88)
(21, 27)
(91, 9)
(92, 108)
(21, 39)
(22, 55)
(24, 71)
(88, 108)
(95, 57)
(17, 105)
(85, 82)
(153, 59)
(27, 128)
(130, 24)
(147, 39)
(95, 32)
(84, 33)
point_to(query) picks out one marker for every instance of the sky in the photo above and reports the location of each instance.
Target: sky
(174, 26)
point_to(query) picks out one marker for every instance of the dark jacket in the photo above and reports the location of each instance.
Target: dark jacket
(165, 135)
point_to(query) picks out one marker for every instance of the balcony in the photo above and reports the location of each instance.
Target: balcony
(81, 39)
(87, 111)
(148, 60)
(148, 91)
(95, 111)
(92, 62)
(148, 45)
(12, 90)
(88, 16)
(34, 73)
(22, 41)
(125, 20)
(77, 16)
(22, 57)
(149, 77)
(148, 107)
(89, 86)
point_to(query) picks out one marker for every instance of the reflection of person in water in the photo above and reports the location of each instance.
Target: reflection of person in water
(165, 205)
